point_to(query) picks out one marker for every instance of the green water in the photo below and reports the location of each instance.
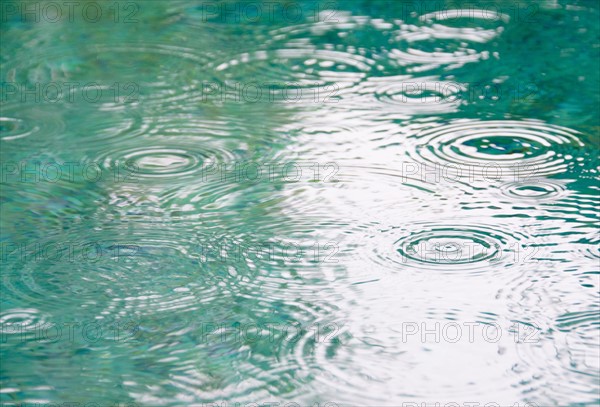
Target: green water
(358, 203)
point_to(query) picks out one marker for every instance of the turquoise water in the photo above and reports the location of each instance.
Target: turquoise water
(359, 203)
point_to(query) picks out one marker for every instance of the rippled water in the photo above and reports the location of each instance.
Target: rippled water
(360, 203)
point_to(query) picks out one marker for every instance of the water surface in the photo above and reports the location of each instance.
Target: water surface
(365, 203)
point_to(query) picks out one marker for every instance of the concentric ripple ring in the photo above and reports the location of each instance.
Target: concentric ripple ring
(500, 148)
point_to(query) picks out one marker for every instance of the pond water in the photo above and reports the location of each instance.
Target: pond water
(358, 203)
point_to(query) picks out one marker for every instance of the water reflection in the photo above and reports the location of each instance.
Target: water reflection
(322, 208)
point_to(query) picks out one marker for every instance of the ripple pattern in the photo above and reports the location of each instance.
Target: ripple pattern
(418, 209)
(537, 191)
(450, 248)
(517, 149)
